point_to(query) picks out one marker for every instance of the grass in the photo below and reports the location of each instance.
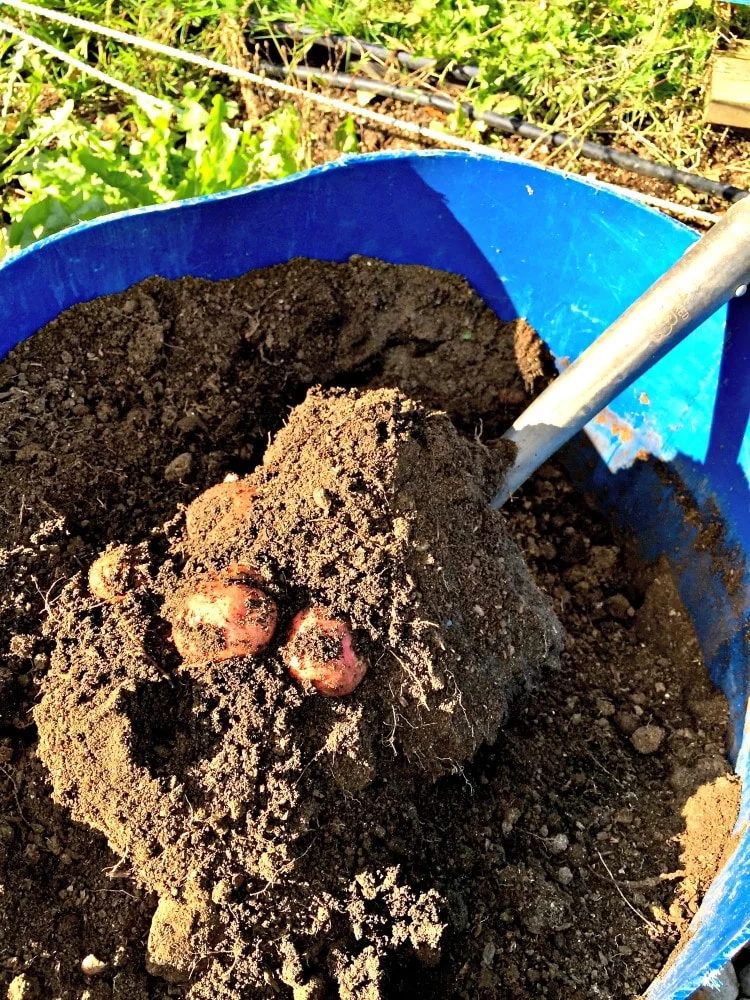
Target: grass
(628, 71)
(617, 66)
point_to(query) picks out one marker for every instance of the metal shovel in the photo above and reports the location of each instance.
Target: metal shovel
(709, 274)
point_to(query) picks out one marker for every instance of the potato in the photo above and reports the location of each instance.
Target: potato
(115, 573)
(224, 614)
(220, 507)
(320, 651)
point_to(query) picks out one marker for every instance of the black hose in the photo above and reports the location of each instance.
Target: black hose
(509, 124)
(355, 46)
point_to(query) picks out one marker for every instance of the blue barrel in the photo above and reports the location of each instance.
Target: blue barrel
(569, 256)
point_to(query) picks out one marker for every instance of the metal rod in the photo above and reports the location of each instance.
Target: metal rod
(709, 274)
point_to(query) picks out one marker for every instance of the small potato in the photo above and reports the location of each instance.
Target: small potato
(115, 573)
(225, 614)
(223, 506)
(320, 651)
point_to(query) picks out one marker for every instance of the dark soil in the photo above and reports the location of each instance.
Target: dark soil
(203, 772)
(564, 859)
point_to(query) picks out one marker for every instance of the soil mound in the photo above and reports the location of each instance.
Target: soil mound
(210, 768)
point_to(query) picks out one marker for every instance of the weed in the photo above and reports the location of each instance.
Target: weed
(617, 63)
(67, 171)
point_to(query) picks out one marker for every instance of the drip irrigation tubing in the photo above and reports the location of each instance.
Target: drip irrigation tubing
(355, 46)
(508, 124)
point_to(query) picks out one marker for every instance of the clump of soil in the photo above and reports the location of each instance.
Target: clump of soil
(366, 505)
(503, 880)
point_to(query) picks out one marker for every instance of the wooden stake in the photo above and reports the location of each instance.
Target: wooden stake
(729, 92)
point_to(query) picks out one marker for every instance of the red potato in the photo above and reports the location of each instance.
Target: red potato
(320, 651)
(224, 615)
(222, 506)
(115, 573)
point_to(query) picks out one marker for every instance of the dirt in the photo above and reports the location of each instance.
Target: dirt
(204, 770)
(273, 842)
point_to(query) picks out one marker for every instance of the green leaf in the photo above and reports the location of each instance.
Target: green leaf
(345, 137)
(508, 104)
(69, 170)
(133, 186)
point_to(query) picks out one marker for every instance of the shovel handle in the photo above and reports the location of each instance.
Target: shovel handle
(712, 271)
